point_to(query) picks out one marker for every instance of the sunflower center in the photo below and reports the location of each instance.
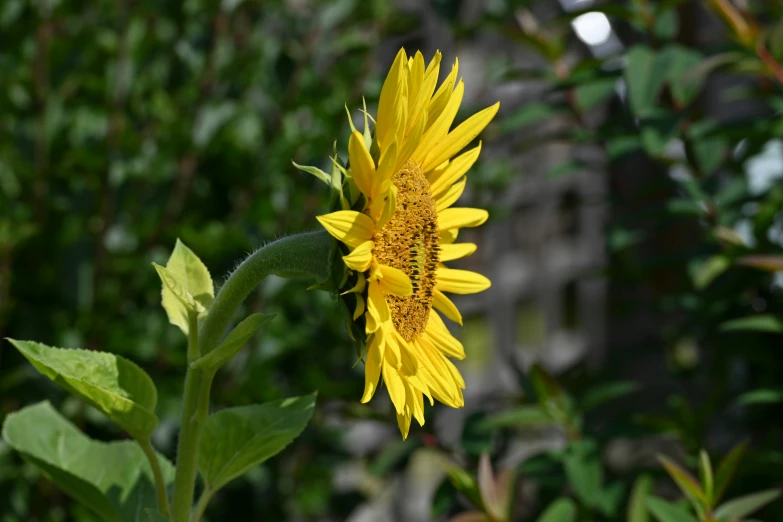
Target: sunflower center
(409, 242)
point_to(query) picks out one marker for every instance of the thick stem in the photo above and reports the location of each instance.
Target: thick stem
(160, 484)
(304, 254)
(190, 431)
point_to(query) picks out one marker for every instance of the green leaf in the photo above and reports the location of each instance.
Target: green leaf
(679, 62)
(593, 93)
(153, 515)
(637, 509)
(521, 416)
(113, 384)
(667, 512)
(113, 479)
(233, 343)
(606, 393)
(705, 472)
(315, 171)
(756, 323)
(687, 484)
(529, 114)
(584, 472)
(706, 271)
(187, 286)
(727, 467)
(238, 439)
(560, 170)
(764, 396)
(561, 510)
(645, 74)
(737, 509)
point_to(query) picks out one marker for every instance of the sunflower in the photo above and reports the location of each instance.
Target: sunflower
(401, 230)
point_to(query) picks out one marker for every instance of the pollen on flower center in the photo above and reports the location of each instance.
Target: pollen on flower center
(409, 242)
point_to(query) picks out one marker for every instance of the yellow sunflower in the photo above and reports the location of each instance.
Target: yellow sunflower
(403, 230)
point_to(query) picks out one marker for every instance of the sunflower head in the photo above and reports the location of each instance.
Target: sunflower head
(395, 228)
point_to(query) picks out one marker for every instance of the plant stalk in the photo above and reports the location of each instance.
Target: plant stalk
(160, 484)
(305, 254)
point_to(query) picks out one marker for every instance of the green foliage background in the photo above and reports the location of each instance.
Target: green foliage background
(127, 124)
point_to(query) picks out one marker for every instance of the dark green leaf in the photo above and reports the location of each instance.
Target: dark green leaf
(233, 342)
(605, 393)
(591, 94)
(645, 74)
(528, 114)
(760, 397)
(727, 468)
(561, 510)
(521, 416)
(584, 472)
(238, 439)
(667, 512)
(114, 479)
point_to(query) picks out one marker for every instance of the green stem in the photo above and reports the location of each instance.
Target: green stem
(299, 255)
(190, 431)
(201, 505)
(305, 254)
(160, 484)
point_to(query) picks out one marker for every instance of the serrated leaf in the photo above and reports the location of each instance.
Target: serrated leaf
(113, 384)
(114, 479)
(667, 512)
(756, 323)
(233, 342)
(187, 286)
(737, 509)
(727, 467)
(561, 510)
(238, 439)
(637, 508)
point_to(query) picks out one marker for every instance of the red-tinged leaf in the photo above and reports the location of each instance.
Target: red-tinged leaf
(727, 468)
(687, 484)
(770, 263)
(504, 487)
(470, 516)
(487, 487)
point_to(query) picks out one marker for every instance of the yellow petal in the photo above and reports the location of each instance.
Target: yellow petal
(377, 308)
(437, 374)
(357, 313)
(446, 237)
(415, 78)
(461, 217)
(448, 198)
(360, 258)
(348, 226)
(395, 282)
(358, 287)
(372, 368)
(391, 93)
(386, 169)
(409, 364)
(443, 95)
(458, 251)
(440, 337)
(455, 374)
(419, 101)
(389, 207)
(439, 129)
(394, 384)
(455, 170)
(362, 165)
(404, 424)
(411, 142)
(460, 281)
(446, 306)
(456, 140)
